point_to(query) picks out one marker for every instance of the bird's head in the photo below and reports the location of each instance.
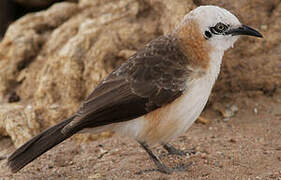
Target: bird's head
(217, 27)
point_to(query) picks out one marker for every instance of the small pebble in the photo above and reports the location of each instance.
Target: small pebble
(264, 27)
(255, 111)
(95, 176)
(203, 155)
(29, 106)
(229, 112)
(226, 119)
(219, 152)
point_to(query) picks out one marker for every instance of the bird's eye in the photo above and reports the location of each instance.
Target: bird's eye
(219, 28)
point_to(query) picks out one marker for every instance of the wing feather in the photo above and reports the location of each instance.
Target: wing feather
(153, 77)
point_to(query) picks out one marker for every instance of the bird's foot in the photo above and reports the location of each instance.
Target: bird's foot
(174, 151)
(159, 164)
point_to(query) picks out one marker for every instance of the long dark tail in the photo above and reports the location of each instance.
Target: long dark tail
(38, 145)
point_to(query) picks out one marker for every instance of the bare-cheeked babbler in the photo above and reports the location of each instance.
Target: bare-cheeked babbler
(157, 93)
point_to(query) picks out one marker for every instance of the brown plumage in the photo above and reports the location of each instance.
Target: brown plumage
(195, 46)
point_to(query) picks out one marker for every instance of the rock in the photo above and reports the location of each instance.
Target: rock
(54, 58)
(18, 122)
(170, 13)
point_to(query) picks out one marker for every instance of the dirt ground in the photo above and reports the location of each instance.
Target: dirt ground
(245, 146)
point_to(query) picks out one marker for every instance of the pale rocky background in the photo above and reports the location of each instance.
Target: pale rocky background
(52, 59)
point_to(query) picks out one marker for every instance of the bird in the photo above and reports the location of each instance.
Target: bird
(155, 95)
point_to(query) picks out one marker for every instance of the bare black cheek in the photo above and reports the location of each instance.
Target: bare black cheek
(208, 35)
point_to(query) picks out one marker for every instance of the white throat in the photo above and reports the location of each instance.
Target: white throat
(215, 65)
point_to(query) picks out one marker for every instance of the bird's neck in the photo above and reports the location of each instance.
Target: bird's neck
(193, 44)
(215, 64)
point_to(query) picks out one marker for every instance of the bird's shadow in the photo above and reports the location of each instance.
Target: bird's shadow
(179, 168)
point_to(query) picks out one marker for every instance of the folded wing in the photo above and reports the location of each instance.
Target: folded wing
(152, 78)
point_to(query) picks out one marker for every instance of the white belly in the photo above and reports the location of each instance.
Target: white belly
(170, 121)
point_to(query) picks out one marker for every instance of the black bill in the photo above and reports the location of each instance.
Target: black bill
(244, 30)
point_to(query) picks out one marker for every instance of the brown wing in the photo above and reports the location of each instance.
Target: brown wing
(153, 77)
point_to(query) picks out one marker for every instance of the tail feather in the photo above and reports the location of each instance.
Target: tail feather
(38, 145)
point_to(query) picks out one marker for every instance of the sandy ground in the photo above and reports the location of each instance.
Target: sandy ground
(246, 146)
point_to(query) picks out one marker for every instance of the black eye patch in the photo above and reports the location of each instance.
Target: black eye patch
(208, 34)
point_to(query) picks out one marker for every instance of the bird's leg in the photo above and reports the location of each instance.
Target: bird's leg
(174, 151)
(160, 165)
